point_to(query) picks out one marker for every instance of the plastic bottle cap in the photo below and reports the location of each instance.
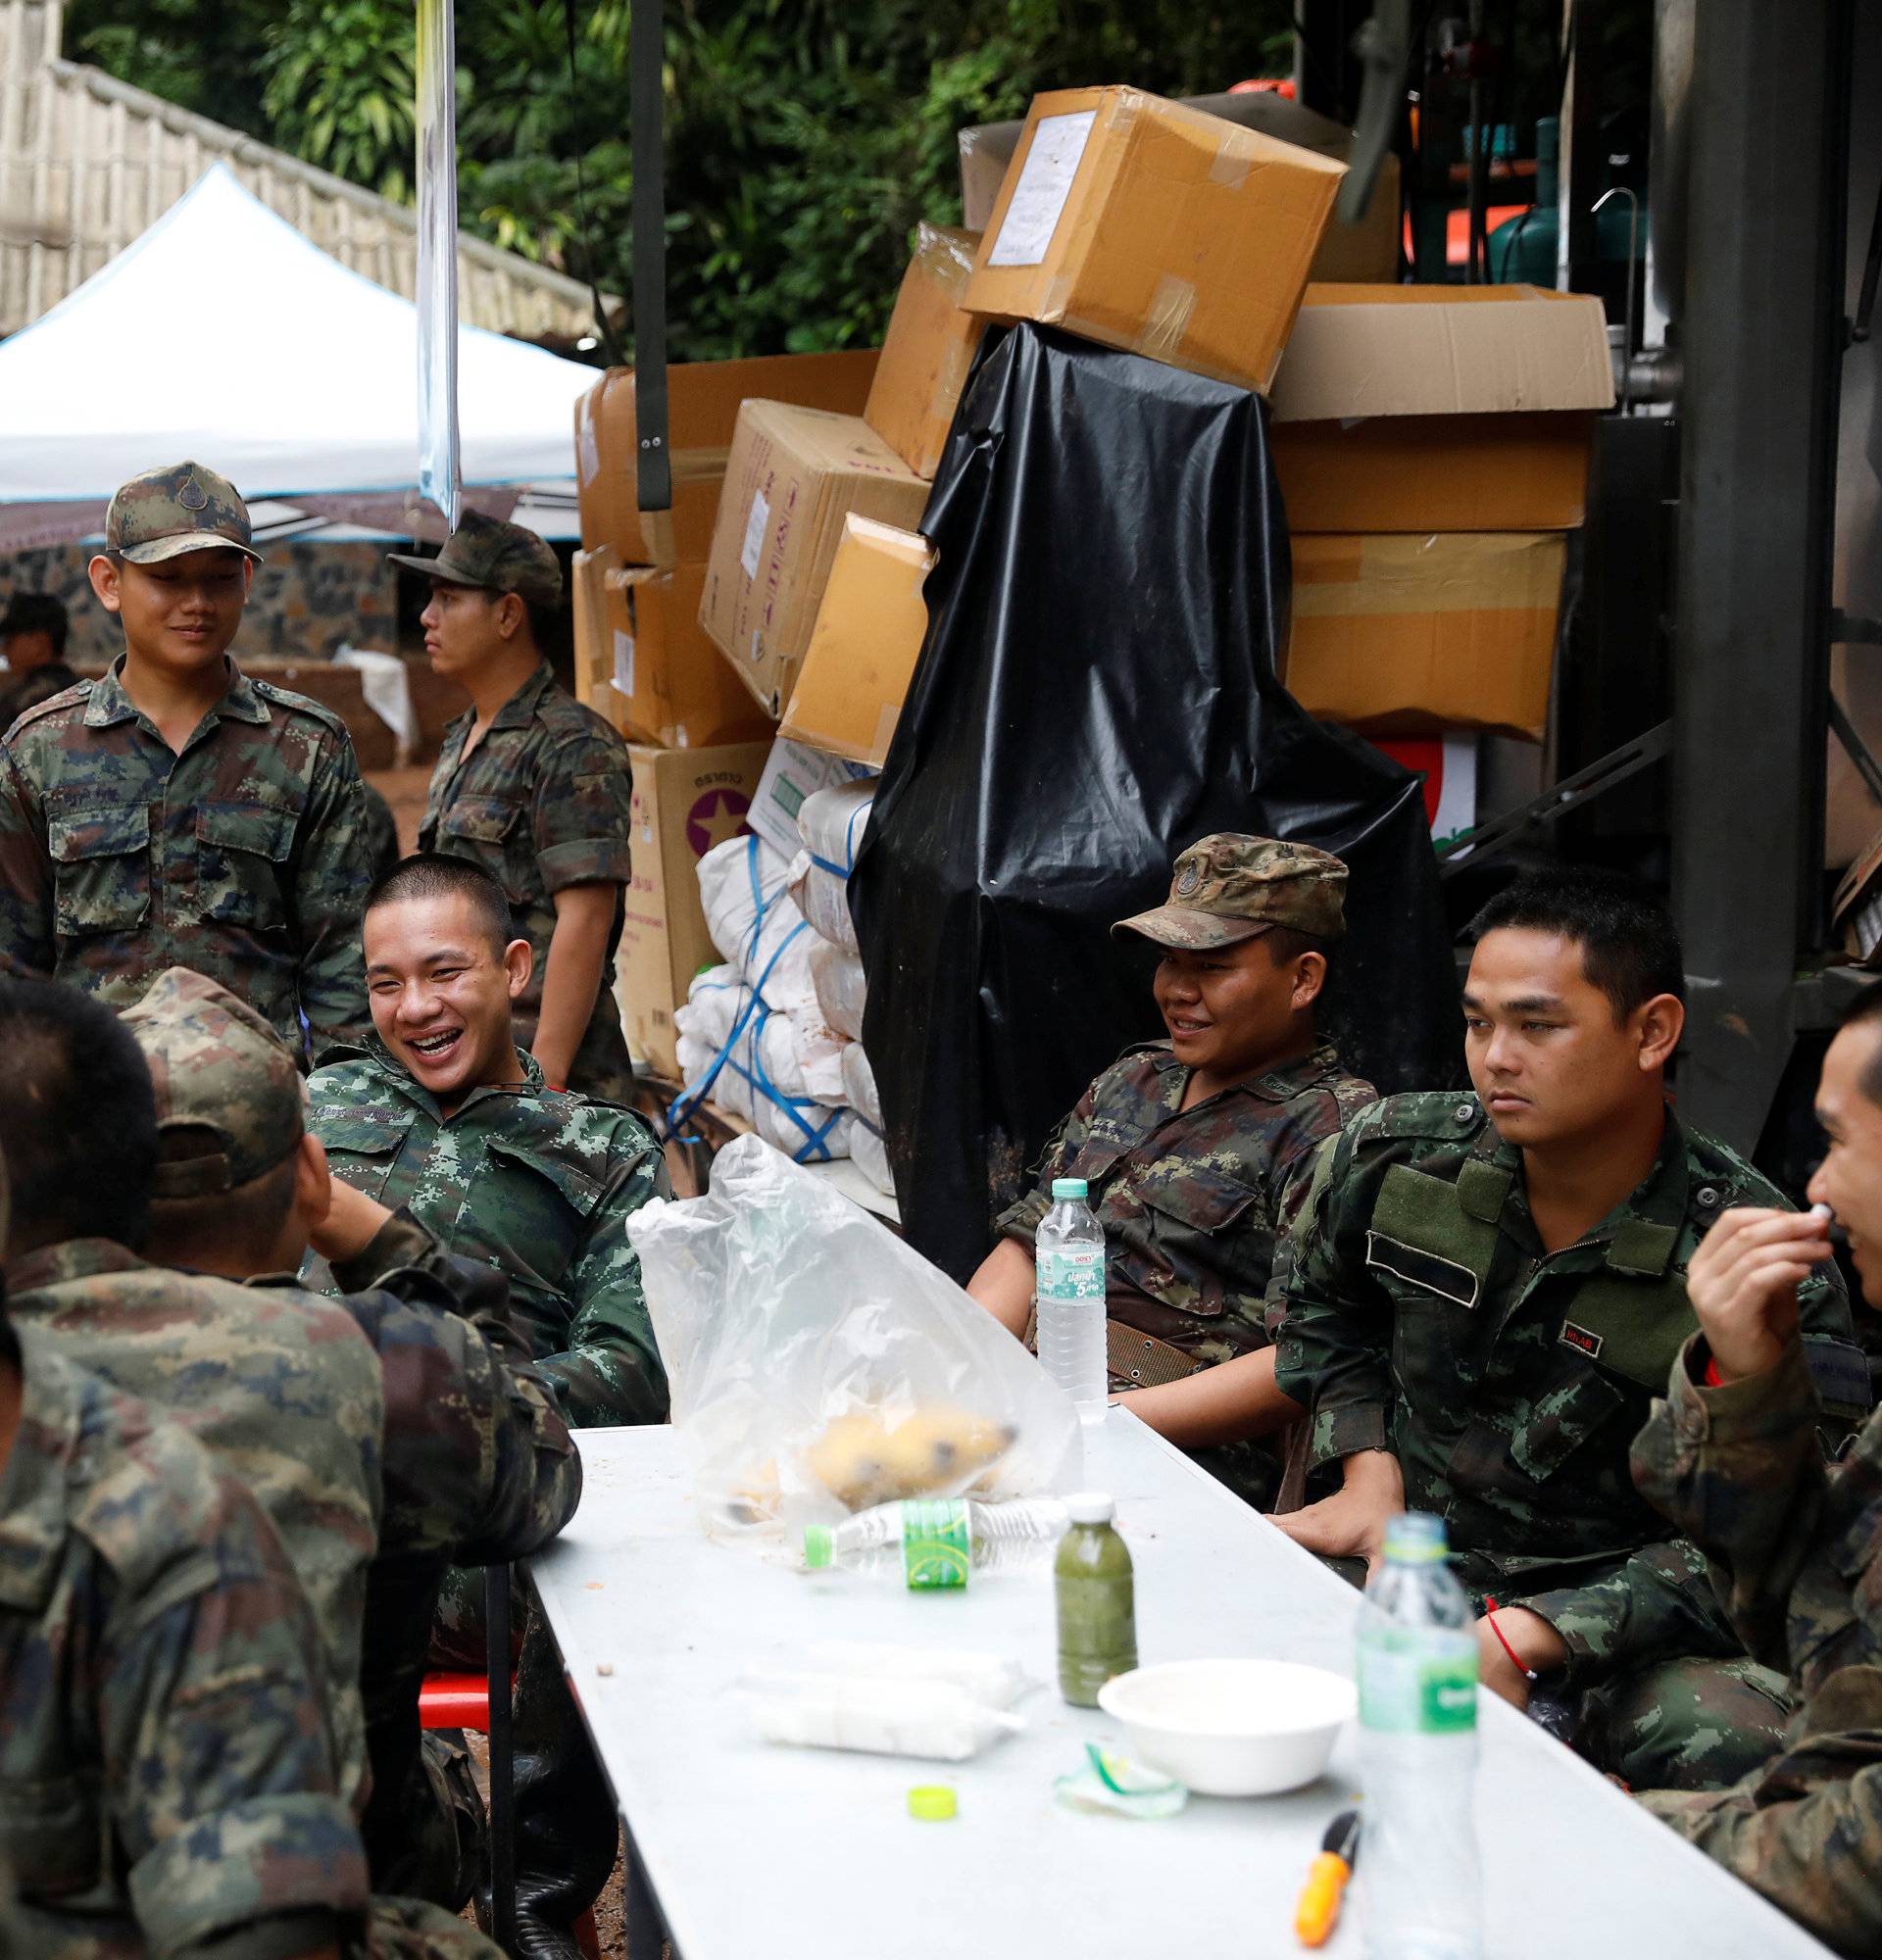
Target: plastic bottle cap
(1070, 1187)
(932, 1803)
(1415, 1538)
(1090, 1507)
(817, 1547)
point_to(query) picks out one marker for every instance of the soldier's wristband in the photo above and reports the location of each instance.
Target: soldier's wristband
(1491, 1609)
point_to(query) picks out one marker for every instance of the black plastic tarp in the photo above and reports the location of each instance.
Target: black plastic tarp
(1096, 691)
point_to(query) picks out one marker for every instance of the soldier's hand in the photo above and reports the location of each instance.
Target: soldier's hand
(1535, 1643)
(1742, 1284)
(1352, 1522)
(351, 1224)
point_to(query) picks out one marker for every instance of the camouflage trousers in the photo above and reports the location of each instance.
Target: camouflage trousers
(1684, 1725)
(401, 1929)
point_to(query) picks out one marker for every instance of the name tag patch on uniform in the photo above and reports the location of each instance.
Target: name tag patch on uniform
(1582, 1339)
(1443, 1277)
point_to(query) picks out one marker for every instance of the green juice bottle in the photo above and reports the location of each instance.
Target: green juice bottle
(1097, 1601)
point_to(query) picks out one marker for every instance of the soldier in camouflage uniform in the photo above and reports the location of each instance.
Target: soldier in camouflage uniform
(409, 1407)
(1730, 1456)
(32, 641)
(443, 1114)
(1485, 1291)
(177, 813)
(1192, 1146)
(535, 788)
(169, 1783)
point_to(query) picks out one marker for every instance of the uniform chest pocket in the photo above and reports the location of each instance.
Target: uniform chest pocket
(243, 850)
(1200, 1222)
(488, 830)
(362, 1150)
(100, 867)
(53, 1832)
(1561, 1418)
(530, 1209)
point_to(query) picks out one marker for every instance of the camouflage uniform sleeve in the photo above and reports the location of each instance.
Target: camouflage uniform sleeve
(1739, 1469)
(1659, 1604)
(477, 1460)
(329, 891)
(610, 1371)
(219, 1765)
(582, 819)
(26, 876)
(1021, 1221)
(1310, 1129)
(1334, 1336)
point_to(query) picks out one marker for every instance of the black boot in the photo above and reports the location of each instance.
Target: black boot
(566, 1829)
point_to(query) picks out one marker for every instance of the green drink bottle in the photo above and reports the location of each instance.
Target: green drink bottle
(1097, 1601)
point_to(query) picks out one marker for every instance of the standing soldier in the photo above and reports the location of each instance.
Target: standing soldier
(534, 787)
(176, 814)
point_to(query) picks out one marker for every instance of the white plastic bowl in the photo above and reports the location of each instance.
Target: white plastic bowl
(1232, 1727)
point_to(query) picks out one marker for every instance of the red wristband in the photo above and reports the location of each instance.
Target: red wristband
(1491, 1609)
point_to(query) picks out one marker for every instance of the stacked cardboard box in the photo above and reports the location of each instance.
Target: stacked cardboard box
(1431, 444)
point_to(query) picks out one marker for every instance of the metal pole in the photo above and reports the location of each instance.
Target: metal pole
(1762, 330)
(647, 66)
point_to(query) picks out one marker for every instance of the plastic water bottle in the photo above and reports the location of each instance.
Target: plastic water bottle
(1417, 1669)
(1068, 1255)
(934, 1542)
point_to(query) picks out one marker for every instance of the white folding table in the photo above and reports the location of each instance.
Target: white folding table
(748, 1851)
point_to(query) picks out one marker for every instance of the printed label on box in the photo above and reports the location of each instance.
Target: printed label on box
(755, 524)
(623, 661)
(1045, 182)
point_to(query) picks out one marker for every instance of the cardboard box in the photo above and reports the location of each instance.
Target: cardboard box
(668, 683)
(1420, 635)
(594, 642)
(703, 400)
(1369, 250)
(793, 477)
(865, 645)
(1143, 225)
(1439, 409)
(793, 773)
(929, 348)
(685, 800)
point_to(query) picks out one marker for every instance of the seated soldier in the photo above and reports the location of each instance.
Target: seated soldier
(33, 642)
(1731, 1457)
(408, 1412)
(1191, 1149)
(444, 1114)
(168, 1775)
(1484, 1294)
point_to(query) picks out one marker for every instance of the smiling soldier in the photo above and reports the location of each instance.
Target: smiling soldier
(1191, 1149)
(1486, 1291)
(176, 814)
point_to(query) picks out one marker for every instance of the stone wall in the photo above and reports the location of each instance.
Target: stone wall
(305, 600)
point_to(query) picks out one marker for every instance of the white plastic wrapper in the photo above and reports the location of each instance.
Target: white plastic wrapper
(754, 923)
(934, 1719)
(783, 1075)
(988, 1678)
(836, 976)
(858, 1085)
(871, 1156)
(819, 1365)
(832, 823)
(825, 903)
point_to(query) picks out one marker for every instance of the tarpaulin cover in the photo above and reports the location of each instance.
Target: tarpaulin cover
(1096, 691)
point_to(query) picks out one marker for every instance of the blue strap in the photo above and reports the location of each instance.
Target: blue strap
(690, 1099)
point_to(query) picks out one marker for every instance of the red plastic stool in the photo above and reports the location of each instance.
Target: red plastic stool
(462, 1701)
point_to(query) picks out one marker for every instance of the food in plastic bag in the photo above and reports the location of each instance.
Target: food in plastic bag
(859, 1085)
(780, 1074)
(837, 978)
(781, 1308)
(871, 1156)
(883, 1717)
(832, 823)
(754, 922)
(863, 1459)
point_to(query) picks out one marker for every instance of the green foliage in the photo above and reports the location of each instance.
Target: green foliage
(805, 138)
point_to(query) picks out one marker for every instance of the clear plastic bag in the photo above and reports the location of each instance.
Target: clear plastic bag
(819, 1365)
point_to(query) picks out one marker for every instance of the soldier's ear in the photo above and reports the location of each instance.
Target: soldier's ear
(1660, 1023)
(105, 582)
(518, 962)
(511, 614)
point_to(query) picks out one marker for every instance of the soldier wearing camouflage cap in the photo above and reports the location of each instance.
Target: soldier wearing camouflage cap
(1192, 1149)
(178, 813)
(389, 1433)
(534, 787)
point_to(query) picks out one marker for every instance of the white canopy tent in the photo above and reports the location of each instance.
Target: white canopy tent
(222, 334)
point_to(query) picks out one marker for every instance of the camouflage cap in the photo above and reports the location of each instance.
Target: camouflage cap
(1229, 888)
(165, 512)
(220, 1070)
(498, 556)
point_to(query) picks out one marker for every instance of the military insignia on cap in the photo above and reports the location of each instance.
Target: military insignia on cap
(1187, 879)
(193, 497)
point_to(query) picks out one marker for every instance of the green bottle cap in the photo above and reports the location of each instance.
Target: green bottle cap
(817, 1547)
(932, 1803)
(1067, 1188)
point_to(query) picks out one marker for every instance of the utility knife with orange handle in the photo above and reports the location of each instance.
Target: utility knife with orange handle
(1318, 1910)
